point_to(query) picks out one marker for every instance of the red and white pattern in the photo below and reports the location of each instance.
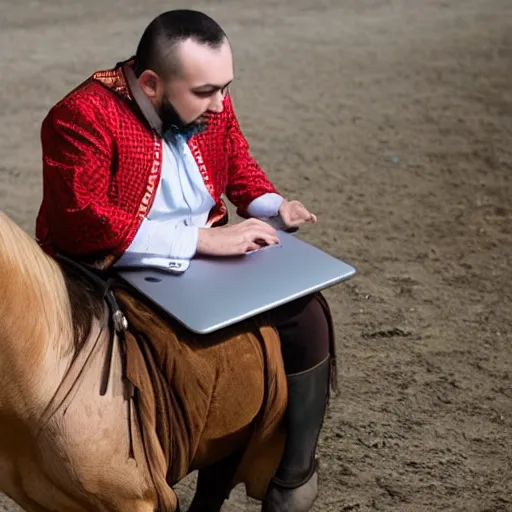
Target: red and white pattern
(102, 164)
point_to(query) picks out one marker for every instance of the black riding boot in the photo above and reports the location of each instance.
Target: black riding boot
(295, 485)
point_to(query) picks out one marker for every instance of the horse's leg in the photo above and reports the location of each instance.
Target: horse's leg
(214, 484)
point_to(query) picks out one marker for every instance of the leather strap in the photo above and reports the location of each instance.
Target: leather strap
(119, 321)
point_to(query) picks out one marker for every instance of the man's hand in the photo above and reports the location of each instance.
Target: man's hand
(236, 240)
(294, 214)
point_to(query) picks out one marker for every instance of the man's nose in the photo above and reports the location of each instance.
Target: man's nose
(217, 104)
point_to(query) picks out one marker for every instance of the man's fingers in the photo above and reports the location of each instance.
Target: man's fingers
(252, 246)
(263, 238)
(259, 243)
(269, 240)
(300, 212)
(260, 225)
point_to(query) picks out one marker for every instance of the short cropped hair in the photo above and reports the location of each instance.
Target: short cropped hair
(157, 49)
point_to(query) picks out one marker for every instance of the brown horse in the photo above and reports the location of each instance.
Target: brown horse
(82, 415)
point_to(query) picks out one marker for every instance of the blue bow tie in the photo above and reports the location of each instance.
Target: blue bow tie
(187, 133)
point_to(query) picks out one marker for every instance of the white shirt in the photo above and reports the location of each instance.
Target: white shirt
(167, 237)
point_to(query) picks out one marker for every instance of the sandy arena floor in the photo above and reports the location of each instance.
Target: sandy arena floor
(392, 121)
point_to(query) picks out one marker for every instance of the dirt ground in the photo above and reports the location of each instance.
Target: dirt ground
(392, 121)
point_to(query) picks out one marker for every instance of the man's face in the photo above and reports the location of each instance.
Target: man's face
(200, 86)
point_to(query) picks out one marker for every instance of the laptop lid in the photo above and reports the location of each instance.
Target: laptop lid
(217, 292)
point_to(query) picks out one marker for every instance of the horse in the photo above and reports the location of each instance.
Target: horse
(81, 424)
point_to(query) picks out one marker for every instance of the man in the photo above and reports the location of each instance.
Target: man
(135, 161)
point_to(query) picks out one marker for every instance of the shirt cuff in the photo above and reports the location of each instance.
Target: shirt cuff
(265, 206)
(184, 242)
(161, 243)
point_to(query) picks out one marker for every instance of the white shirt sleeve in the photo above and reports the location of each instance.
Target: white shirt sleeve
(265, 206)
(166, 243)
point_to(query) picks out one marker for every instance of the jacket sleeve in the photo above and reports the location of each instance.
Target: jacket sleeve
(81, 218)
(247, 180)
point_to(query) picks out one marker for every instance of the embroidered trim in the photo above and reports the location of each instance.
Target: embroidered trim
(114, 80)
(196, 153)
(153, 178)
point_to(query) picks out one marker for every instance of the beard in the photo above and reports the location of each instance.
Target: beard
(171, 120)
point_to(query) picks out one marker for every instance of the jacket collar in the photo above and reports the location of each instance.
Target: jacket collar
(142, 101)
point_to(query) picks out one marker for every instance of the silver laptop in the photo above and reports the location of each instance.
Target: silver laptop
(217, 292)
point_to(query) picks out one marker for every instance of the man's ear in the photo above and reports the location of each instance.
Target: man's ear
(151, 84)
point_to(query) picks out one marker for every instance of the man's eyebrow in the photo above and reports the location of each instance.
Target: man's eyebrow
(210, 87)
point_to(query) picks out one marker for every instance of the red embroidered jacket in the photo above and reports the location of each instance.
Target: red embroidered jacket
(102, 163)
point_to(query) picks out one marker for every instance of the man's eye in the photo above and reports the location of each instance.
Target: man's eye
(204, 94)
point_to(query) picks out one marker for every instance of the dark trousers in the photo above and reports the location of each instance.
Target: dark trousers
(304, 332)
